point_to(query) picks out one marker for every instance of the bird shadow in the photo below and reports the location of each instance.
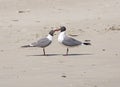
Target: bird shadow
(62, 54)
(78, 54)
(46, 55)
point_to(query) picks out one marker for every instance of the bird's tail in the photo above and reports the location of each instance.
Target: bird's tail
(26, 46)
(87, 42)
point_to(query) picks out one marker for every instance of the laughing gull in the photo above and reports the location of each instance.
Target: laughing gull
(43, 42)
(68, 41)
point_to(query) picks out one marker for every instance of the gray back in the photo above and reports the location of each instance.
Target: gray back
(44, 42)
(68, 41)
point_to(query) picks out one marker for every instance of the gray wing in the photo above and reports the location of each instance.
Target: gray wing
(68, 41)
(44, 42)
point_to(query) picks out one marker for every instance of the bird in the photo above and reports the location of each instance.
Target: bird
(43, 42)
(68, 41)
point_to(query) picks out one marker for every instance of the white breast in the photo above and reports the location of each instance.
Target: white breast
(61, 37)
(49, 37)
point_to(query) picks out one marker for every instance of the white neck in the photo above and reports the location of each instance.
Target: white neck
(49, 37)
(61, 37)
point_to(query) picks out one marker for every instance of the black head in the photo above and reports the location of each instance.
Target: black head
(63, 28)
(52, 32)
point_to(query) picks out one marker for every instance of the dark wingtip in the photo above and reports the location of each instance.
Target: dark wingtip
(86, 43)
(25, 46)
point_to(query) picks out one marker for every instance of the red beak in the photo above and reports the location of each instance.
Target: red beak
(57, 29)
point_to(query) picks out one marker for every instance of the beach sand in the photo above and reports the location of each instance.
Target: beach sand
(25, 21)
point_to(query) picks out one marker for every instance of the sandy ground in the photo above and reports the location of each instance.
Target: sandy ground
(25, 21)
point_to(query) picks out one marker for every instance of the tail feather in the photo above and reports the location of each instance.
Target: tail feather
(87, 43)
(25, 46)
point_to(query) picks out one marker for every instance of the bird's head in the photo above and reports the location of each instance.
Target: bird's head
(52, 32)
(61, 29)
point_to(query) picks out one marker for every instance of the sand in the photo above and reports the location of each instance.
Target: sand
(25, 21)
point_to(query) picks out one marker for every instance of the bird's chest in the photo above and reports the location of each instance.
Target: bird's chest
(61, 38)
